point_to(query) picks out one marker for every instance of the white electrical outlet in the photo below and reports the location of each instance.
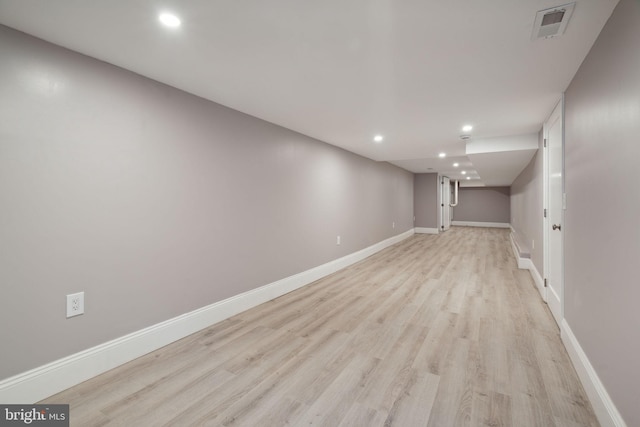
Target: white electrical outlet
(75, 304)
(393, 225)
(338, 241)
(533, 244)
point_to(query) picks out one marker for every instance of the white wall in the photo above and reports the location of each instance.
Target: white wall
(156, 202)
(602, 238)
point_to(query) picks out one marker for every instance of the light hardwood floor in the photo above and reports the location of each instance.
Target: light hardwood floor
(438, 330)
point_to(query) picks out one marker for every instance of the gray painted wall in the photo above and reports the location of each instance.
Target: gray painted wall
(602, 239)
(425, 199)
(526, 208)
(156, 202)
(483, 204)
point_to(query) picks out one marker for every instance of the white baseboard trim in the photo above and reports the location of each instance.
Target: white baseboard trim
(481, 224)
(603, 406)
(537, 278)
(522, 264)
(423, 230)
(527, 264)
(54, 377)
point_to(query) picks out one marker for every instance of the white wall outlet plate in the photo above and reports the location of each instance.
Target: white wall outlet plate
(75, 304)
(338, 240)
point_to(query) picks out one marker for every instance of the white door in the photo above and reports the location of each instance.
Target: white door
(554, 223)
(445, 194)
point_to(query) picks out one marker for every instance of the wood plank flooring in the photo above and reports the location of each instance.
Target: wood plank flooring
(438, 330)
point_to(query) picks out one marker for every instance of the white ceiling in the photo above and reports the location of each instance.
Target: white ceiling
(344, 71)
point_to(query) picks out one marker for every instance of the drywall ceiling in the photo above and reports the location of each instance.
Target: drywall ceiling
(342, 72)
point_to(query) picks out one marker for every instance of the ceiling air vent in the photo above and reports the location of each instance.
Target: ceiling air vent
(552, 22)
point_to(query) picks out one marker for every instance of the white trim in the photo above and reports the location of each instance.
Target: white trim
(545, 199)
(49, 379)
(445, 202)
(481, 224)
(522, 265)
(603, 406)
(551, 297)
(537, 278)
(424, 230)
(439, 193)
(527, 264)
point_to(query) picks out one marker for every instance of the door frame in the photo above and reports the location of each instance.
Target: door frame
(443, 203)
(557, 109)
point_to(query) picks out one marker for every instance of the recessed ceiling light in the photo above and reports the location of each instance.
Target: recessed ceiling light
(378, 138)
(442, 155)
(464, 172)
(455, 165)
(467, 128)
(468, 177)
(169, 20)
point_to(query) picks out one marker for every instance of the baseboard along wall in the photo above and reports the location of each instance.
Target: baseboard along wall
(603, 406)
(47, 380)
(481, 224)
